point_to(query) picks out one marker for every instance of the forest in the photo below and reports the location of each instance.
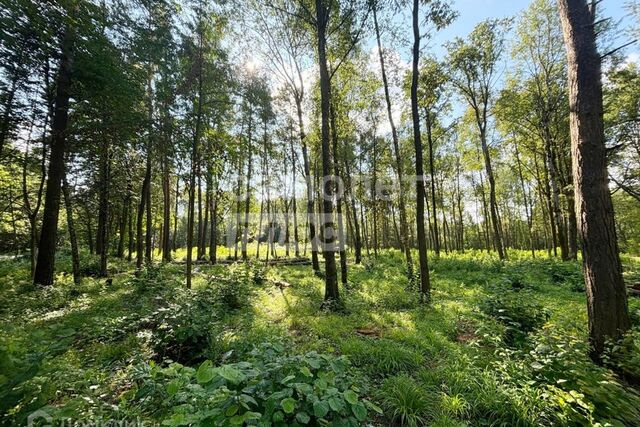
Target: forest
(320, 212)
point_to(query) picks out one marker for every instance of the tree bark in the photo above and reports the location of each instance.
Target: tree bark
(327, 227)
(75, 258)
(432, 176)
(606, 293)
(425, 283)
(45, 263)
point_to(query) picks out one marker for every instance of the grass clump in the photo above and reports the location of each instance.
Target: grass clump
(405, 402)
(381, 356)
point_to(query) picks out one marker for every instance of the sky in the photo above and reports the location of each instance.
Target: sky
(471, 12)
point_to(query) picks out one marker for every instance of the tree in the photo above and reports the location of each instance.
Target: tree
(439, 15)
(474, 73)
(45, 263)
(606, 293)
(404, 227)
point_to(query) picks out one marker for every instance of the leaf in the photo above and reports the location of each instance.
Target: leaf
(303, 417)
(359, 411)
(320, 408)
(287, 379)
(537, 366)
(374, 407)
(288, 405)
(231, 410)
(173, 387)
(206, 372)
(351, 397)
(306, 372)
(336, 404)
(231, 374)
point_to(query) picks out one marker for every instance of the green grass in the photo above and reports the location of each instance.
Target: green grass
(76, 350)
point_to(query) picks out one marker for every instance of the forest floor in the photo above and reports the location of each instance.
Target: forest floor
(503, 343)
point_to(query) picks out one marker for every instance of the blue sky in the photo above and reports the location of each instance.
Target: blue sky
(471, 12)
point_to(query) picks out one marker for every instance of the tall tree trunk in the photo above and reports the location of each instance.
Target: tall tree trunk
(357, 239)
(493, 202)
(327, 227)
(555, 201)
(425, 283)
(434, 214)
(175, 215)
(75, 259)
(606, 293)
(528, 211)
(166, 211)
(140, 219)
(45, 263)
(192, 184)
(102, 237)
(404, 228)
(247, 197)
(339, 193)
(293, 203)
(123, 225)
(309, 187)
(213, 241)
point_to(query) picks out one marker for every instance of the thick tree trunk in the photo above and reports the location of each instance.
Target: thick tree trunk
(606, 293)
(45, 263)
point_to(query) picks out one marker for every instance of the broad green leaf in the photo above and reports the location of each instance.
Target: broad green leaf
(206, 372)
(173, 387)
(320, 408)
(303, 417)
(231, 374)
(359, 411)
(351, 397)
(336, 404)
(288, 405)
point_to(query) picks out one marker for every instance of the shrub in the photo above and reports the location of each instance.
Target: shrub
(181, 330)
(233, 292)
(518, 312)
(624, 356)
(567, 274)
(405, 402)
(270, 388)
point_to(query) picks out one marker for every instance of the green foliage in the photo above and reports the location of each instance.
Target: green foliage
(182, 329)
(518, 312)
(269, 388)
(624, 355)
(405, 401)
(567, 274)
(381, 357)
